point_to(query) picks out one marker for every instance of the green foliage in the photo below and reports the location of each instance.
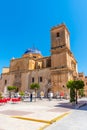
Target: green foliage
(70, 84)
(1, 95)
(34, 86)
(74, 86)
(72, 95)
(21, 93)
(78, 84)
(9, 88)
(81, 93)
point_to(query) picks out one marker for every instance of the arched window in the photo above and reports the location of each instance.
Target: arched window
(58, 34)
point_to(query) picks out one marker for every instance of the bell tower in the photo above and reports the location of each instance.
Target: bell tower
(59, 45)
(63, 63)
(60, 37)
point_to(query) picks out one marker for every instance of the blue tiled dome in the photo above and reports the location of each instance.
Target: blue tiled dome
(32, 50)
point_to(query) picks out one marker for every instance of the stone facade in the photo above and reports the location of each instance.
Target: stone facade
(82, 77)
(50, 72)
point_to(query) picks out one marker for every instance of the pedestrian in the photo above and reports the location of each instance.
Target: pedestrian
(50, 96)
(31, 97)
(41, 95)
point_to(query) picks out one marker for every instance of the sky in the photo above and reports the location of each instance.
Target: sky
(27, 23)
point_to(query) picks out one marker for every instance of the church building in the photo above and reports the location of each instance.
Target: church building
(51, 72)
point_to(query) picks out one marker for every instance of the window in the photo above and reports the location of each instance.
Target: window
(48, 63)
(58, 34)
(5, 82)
(40, 79)
(34, 56)
(33, 79)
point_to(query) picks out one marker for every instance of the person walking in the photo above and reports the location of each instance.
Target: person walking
(41, 95)
(50, 95)
(31, 97)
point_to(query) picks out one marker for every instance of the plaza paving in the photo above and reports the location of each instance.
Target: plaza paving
(77, 120)
(39, 115)
(32, 115)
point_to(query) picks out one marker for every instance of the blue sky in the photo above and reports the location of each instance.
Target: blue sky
(24, 23)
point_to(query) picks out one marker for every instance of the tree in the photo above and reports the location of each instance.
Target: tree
(21, 93)
(76, 85)
(1, 95)
(72, 90)
(11, 88)
(72, 95)
(81, 93)
(35, 86)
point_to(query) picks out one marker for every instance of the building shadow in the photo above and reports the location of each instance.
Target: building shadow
(82, 105)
